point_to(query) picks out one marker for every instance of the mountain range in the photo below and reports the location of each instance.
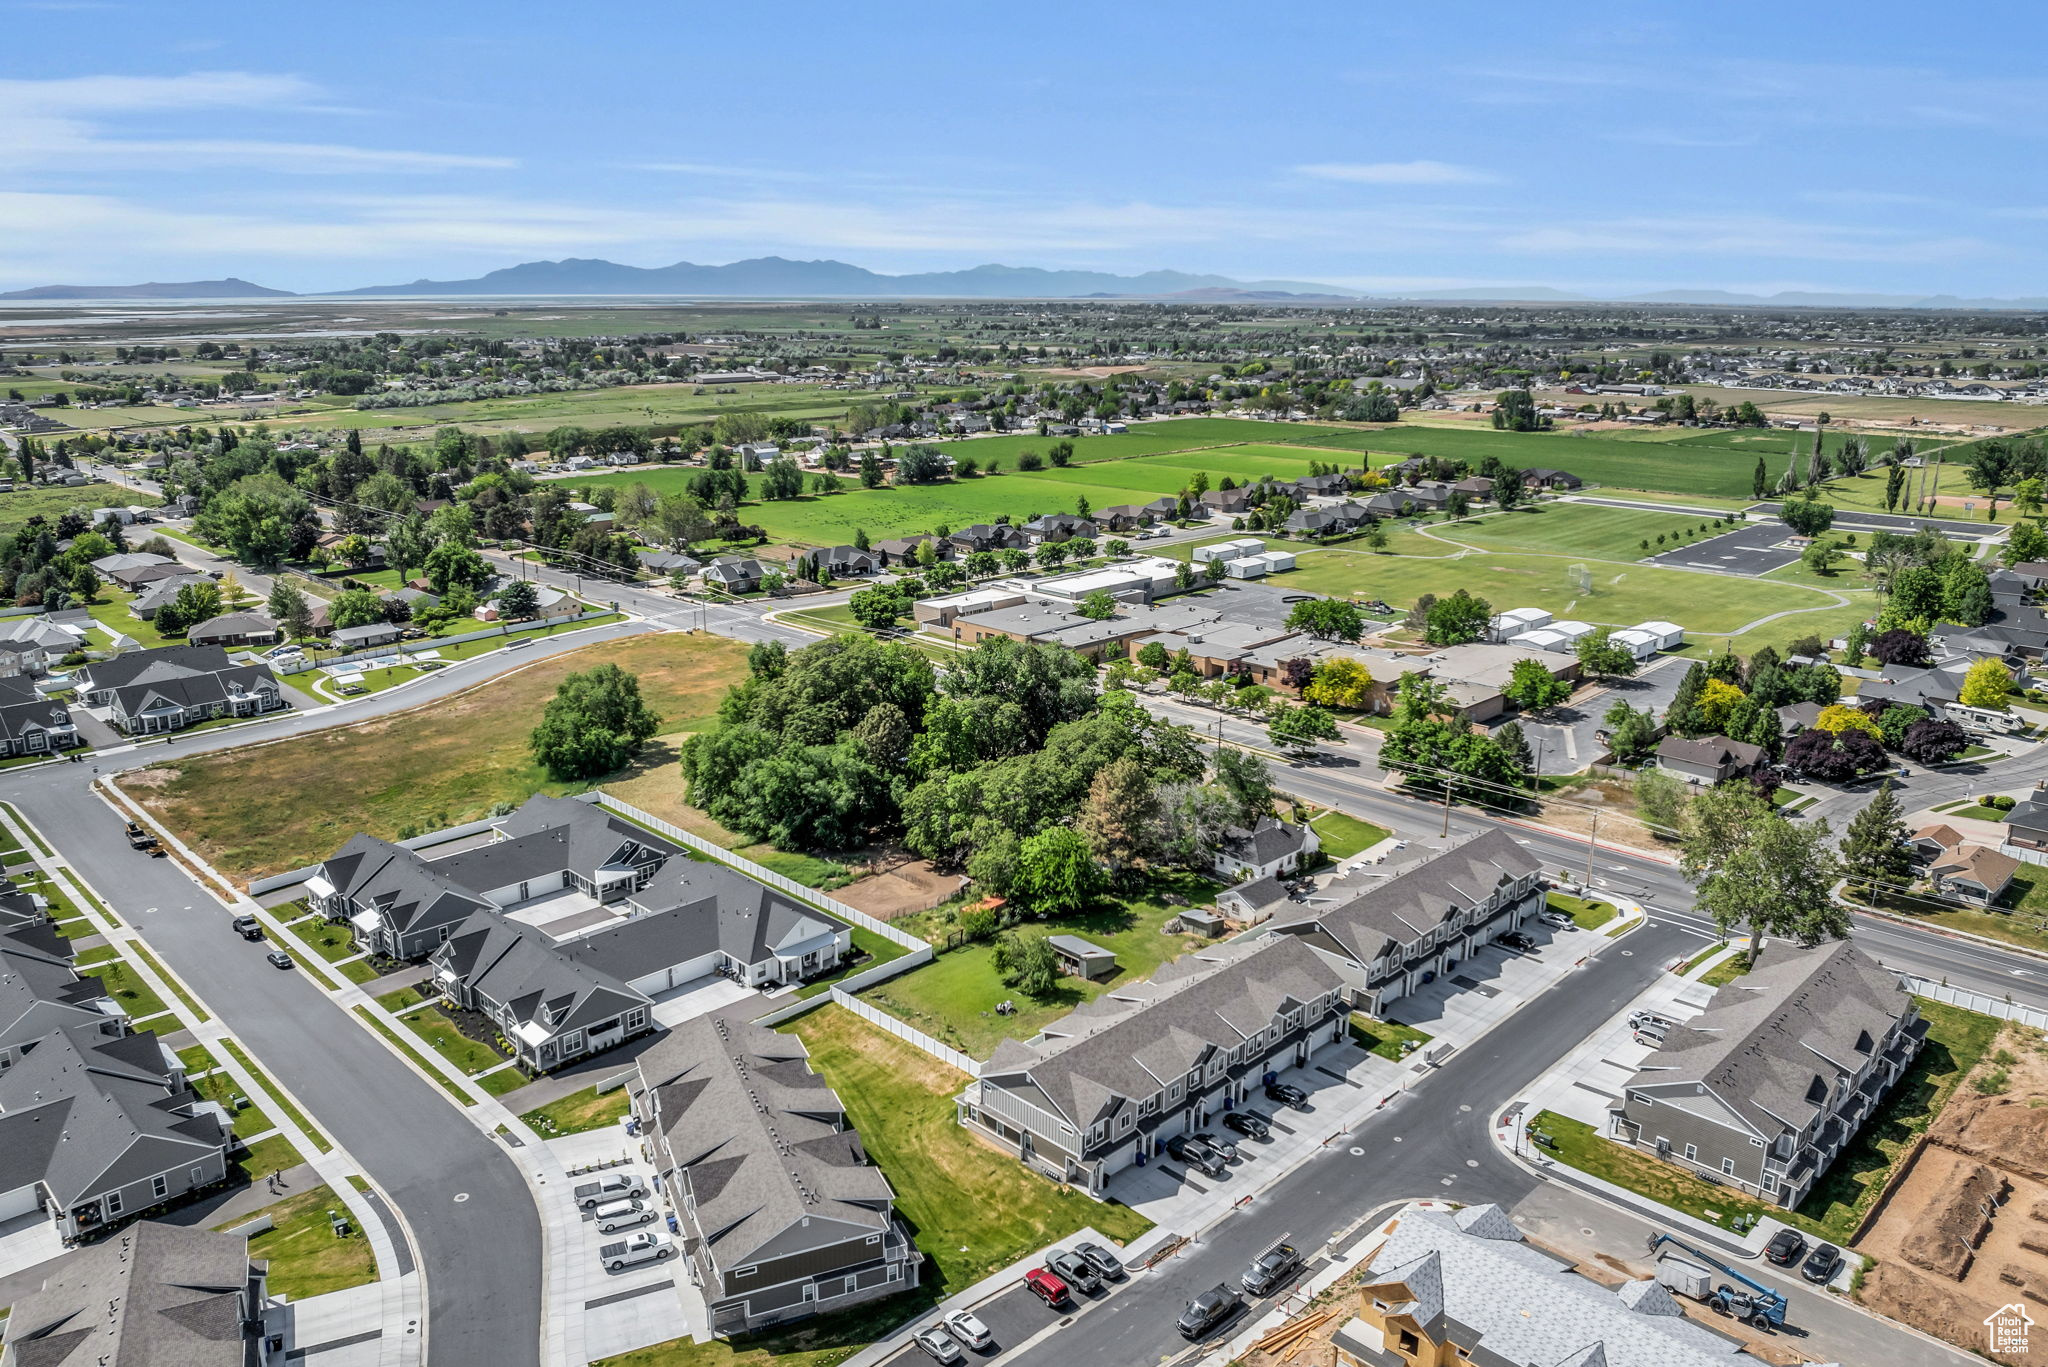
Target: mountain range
(774, 277)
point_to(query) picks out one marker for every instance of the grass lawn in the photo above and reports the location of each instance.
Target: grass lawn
(972, 1208)
(1344, 836)
(880, 949)
(110, 610)
(504, 1081)
(275, 1154)
(197, 1059)
(402, 998)
(1727, 971)
(1385, 1038)
(2020, 919)
(19, 505)
(251, 811)
(126, 987)
(1956, 1039)
(1578, 1145)
(1583, 529)
(328, 939)
(447, 1084)
(431, 1025)
(954, 997)
(306, 1259)
(222, 1088)
(1974, 812)
(298, 1117)
(588, 1109)
(1586, 914)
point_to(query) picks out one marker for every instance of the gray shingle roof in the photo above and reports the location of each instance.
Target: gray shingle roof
(1411, 904)
(761, 1141)
(151, 1295)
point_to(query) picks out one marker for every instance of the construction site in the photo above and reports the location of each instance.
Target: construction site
(1963, 1232)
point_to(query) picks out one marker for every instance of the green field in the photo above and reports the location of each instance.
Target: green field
(1581, 529)
(18, 506)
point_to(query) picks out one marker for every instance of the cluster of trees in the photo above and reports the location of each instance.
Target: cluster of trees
(1846, 741)
(34, 572)
(594, 725)
(1456, 620)
(1429, 738)
(1728, 697)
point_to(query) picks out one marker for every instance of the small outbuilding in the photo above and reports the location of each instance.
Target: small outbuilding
(1081, 959)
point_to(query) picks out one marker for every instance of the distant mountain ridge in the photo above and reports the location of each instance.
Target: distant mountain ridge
(773, 277)
(230, 288)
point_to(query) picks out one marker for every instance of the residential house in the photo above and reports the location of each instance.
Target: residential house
(1939, 689)
(842, 561)
(2026, 825)
(30, 723)
(1330, 519)
(1763, 1089)
(1269, 848)
(734, 574)
(150, 691)
(1113, 1080)
(783, 1214)
(1255, 900)
(235, 629)
(1123, 517)
(96, 1129)
(1319, 486)
(158, 593)
(367, 636)
(1541, 478)
(153, 1295)
(41, 990)
(1961, 869)
(902, 550)
(1710, 759)
(1057, 527)
(1795, 717)
(986, 536)
(1220, 502)
(669, 562)
(122, 569)
(1166, 507)
(1388, 936)
(1466, 1285)
(31, 645)
(1477, 488)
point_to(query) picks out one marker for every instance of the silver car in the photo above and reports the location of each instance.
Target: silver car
(937, 1344)
(968, 1329)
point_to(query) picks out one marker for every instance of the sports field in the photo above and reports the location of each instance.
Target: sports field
(1580, 529)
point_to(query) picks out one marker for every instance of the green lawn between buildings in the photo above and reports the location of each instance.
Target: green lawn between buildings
(306, 1258)
(588, 1109)
(1344, 836)
(1956, 1040)
(1585, 914)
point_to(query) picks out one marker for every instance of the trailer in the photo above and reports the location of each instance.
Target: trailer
(1757, 1304)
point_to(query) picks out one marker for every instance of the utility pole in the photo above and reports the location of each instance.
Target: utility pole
(1590, 839)
(1450, 781)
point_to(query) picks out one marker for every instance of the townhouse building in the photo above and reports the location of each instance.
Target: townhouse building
(1763, 1089)
(147, 692)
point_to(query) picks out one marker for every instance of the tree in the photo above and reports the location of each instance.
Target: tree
(1760, 482)
(1899, 646)
(1965, 592)
(1874, 850)
(1056, 873)
(1718, 698)
(355, 608)
(1840, 717)
(878, 608)
(450, 565)
(1514, 746)
(1341, 681)
(1933, 742)
(1600, 655)
(1820, 556)
(1327, 619)
(1097, 606)
(193, 604)
(1777, 881)
(519, 600)
(1121, 818)
(1026, 962)
(1833, 757)
(870, 470)
(2027, 544)
(1807, 516)
(1457, 619)
(287, 603)
(1660, 799)
(1299, 728)
(1631, 733)
(1532, 687)
(1153, 655)
(1515, 411)
(1987, 684)
(1713, 826)
(1915, 595)
(1245, 780)
(594, 724)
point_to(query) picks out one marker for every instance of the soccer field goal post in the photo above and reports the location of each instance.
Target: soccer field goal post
(1579, 578)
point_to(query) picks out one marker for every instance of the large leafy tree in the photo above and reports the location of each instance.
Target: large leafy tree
(1599, 655)
(1777, 879)
(1834, 757)
(1933, 742)
(1299, 728)
(355, 608)
(1244, 779)
(594, 724)
(1056, 872)
(1457, 619)
(1327, 619)
(880, 608)
(1341, 681)
(1532, 687)
(1988, 683)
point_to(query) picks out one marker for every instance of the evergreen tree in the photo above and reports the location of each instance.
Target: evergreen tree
(1760, 482)
(1874, 850)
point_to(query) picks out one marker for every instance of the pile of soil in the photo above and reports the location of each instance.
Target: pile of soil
(898, 886)
(2005, 1130)
(1954, 1222)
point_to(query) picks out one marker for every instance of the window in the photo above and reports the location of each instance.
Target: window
(198, 1176)
(1770, 1181)
(1692, 1153)
(159, 1187)
(1728, 1166)
(874, 1238)
(114, 1203)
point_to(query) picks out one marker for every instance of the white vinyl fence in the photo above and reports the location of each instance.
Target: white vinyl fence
(1974, 1001)
(909, 1034)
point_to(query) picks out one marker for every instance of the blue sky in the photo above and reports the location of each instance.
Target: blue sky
(1874, 146)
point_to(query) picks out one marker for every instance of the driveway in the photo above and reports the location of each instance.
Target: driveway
(1561, 738)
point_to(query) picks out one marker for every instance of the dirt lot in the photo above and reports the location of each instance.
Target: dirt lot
(899, 884)
(1965, 1229)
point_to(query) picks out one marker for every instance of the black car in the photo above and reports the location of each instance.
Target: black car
(1786, 1247)
(1209, 1311)
(1106, 1264)
(1250, 1124)
(1515, 939)
(1822, 1264)
(1287, 1094)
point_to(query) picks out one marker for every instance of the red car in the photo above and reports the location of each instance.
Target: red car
(1047, 1287)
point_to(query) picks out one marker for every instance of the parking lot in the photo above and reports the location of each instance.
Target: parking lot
(644, 1303)
(1562, 738)
(1750, 550)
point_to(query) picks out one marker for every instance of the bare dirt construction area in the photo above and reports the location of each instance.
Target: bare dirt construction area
(1964, 1230)
(897, 885)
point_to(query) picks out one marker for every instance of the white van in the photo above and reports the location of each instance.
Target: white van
(621, 1215)
(1652, 1032)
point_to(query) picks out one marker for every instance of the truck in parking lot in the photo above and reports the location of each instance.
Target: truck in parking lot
(605, 1190)
(645, 1247)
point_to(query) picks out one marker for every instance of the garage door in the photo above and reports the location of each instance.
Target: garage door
(17, 1203)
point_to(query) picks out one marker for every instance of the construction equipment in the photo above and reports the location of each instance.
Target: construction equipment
(1759, 1305)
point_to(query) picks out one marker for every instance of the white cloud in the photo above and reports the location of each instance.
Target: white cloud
(100, 95)
(1397, 173)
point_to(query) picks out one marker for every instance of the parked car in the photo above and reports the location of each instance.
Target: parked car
(248, 927)
(277, 958)
(968, 1330)
(1822, 1264)
(1556, 920)
(1287, 1094)
(1196, 1154)
(1786, 1247)
(1271, 1269)
(1073, 1269)
(1226, 1147)
(1638, 1019)
(619, 1186)
(643, 1247)
(938, 1345)
(1250, 1124)
(621, 1215)
(1515, 939)
(1047, 1287)
(1106, 1264)
(1209, 1311)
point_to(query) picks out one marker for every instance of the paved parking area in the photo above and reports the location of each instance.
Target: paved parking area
(1483, 991)
(28, 1241)
(621, 1311)
(1587, 1081)
(1562, 739)
(1752, 549)
(1258, 603)
(700, 997)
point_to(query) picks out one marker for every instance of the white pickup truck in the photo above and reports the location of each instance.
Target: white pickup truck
(644, 1247)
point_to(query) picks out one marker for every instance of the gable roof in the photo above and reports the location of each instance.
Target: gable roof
(1409, 905)
(151, 1295)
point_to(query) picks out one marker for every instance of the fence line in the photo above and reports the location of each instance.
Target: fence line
(755, 871)
(1974, 1001)
(909, 1034)
(436, 642)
